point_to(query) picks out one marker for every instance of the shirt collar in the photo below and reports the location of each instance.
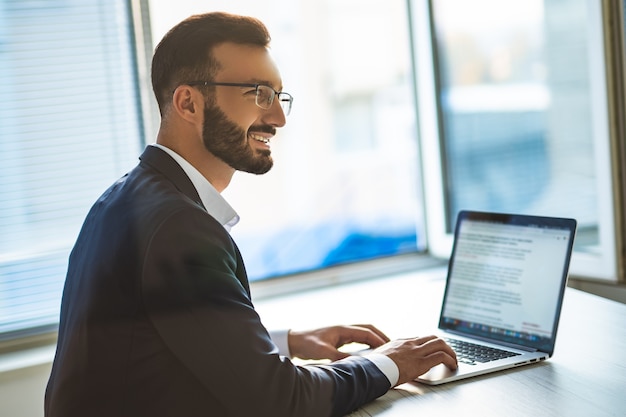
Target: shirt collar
(212, 200)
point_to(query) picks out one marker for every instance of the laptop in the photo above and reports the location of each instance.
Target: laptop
(504, 291)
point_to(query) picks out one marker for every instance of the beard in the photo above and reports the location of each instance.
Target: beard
(229, 142)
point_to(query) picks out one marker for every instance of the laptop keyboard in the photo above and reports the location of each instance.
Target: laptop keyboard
(472, 354)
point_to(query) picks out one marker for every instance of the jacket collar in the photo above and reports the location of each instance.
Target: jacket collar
(162, 162)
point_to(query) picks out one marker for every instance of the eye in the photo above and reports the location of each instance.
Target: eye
(265, 94)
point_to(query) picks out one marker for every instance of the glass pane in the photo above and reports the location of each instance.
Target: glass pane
(69, 126)
(344, 186)
(515, 102)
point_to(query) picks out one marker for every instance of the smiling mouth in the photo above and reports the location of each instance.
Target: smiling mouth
(259, 138)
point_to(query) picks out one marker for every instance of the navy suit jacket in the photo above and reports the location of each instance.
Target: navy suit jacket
(157, 320)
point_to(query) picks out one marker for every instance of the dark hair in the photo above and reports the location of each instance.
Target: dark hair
(185, 52)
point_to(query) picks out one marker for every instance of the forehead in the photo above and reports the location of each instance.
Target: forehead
(246, 63)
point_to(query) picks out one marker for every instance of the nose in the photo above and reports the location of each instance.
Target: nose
(275, 116)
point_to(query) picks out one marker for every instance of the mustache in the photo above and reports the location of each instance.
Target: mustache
(263, 129)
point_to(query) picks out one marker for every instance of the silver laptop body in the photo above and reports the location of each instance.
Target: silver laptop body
(504, 290)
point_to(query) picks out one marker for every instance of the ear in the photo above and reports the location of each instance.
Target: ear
(187, 102)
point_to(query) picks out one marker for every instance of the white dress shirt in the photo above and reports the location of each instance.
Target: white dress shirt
(219, 208)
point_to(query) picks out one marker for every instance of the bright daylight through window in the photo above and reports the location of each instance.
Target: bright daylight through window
(511, 103)
(69, 126)
(521, 113)
(514, 107)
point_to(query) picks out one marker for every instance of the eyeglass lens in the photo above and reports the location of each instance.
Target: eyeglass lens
(265, 97)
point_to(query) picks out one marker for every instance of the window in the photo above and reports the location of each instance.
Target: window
(69, 126)
(515, 117)
(512, 115)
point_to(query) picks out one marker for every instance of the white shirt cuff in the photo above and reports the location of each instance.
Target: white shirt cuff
(281, 340)
(386, 366)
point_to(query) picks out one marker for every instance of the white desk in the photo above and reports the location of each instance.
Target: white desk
(585, 377)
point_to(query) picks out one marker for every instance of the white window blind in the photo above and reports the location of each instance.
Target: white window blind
(69, 125)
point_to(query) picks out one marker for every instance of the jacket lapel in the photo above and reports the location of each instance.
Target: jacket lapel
(162, 162)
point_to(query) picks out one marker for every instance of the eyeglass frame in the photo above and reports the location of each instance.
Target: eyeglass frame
(283, 97)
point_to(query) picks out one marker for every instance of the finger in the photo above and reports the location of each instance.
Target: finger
(328, 351)
(424, 364)
(358, 334)
(441, 357)
(374, 329)
(335, 355)
(425, 339)
(435, 344)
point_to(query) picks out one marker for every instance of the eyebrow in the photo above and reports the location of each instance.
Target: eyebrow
(267, 83)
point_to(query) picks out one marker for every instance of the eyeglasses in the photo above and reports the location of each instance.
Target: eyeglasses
(264, 94)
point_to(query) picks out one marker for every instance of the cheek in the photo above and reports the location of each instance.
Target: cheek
(241, 112)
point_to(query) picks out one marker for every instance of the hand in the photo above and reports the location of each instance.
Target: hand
(324, 343)
(416, 356)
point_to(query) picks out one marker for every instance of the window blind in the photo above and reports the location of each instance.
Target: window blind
(69, 125)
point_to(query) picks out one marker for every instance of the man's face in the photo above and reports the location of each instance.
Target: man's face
(235, 129)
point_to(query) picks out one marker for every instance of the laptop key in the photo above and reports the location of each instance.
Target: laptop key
(465, 358)
(471, 353)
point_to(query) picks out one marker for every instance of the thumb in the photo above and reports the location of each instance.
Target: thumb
(335, 355)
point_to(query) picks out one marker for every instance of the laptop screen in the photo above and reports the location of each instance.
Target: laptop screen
(506, 277)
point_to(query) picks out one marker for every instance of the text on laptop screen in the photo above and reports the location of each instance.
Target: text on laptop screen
(505, 280)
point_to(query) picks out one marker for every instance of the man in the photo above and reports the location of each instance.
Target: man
(156, 317)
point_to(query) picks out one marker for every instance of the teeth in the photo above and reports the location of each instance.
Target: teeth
(259, 138)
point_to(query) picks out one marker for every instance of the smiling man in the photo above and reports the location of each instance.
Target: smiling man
(156, 317)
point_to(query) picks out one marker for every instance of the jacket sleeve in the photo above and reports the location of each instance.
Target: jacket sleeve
(203, 313)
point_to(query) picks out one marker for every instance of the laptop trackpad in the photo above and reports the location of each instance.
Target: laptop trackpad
(437, 373)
